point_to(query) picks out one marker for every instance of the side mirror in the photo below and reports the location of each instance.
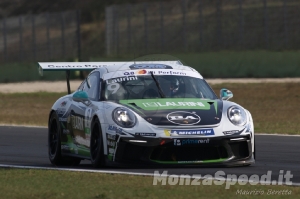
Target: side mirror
(81, 96)
(225, 94)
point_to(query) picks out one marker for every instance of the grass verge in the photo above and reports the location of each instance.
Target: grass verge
(274, 106)
(18, 183)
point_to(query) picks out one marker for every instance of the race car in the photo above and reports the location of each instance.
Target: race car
(147, 113)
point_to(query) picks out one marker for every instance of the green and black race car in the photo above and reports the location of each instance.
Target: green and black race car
(147, 113)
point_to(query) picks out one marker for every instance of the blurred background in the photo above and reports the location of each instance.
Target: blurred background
(220, 38)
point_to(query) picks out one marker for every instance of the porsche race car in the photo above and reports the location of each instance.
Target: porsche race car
(147, 113)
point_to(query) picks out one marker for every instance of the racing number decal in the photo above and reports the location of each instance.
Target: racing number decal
(114, 87)
(87, 116)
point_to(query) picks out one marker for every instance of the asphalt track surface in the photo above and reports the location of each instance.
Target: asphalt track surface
(27, 146)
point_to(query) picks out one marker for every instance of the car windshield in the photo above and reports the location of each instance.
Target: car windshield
(156, 86)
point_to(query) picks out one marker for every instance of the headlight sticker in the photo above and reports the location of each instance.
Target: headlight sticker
(230, 132)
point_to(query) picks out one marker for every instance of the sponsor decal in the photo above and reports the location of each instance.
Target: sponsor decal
(181, 142)
(230, 132)
(116, 129)
(192, 132)
(66, 131)
(111, 143)
(110, 136)
(63, 103)
(112, 128)
(111, 151)
(147, 71)
(145, 134)
(121, 79)
(88, 117)
(129, 73)
(61, 111)
(141, 72)
(163, 104)
(65, 147)
(77, 123)
(76, 66)
(170, 104)
(183, 118)
(167, 132)
(61, 119)
(150, 66)
(170, 73)
(160, 72)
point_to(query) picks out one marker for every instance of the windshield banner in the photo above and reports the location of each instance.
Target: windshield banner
(127, 73)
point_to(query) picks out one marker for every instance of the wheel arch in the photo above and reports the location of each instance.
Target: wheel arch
(50, 113)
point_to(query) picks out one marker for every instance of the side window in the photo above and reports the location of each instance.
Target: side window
(80, 88)
(91, 86)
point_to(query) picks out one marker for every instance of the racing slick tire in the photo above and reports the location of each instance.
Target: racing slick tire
(96, 144)
(54, 144)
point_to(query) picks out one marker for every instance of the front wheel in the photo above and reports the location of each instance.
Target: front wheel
(54, 148)
(54, 144)
(96, 145)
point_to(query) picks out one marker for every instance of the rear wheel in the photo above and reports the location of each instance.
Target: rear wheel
(96, 145)
(54, 144)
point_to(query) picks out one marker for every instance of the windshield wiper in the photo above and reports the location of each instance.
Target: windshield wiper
(161, 93)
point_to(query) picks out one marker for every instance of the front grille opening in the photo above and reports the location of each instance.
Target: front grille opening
(240, 149)
(188, 153)
(128, 151)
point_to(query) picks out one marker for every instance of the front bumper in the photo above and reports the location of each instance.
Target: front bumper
(233, 150)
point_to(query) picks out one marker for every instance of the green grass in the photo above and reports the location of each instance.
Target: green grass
(33, 184)
(27, 108)
(274, 106)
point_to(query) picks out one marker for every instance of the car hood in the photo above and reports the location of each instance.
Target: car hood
(177, 111)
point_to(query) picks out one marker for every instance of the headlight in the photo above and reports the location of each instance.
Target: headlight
(124, 117)
(237, 115)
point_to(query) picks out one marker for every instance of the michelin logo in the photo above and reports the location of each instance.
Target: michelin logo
(193, 132)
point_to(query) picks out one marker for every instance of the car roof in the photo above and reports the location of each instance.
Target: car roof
(147, 65)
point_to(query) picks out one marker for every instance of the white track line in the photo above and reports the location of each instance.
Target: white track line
(24, 126)
(77, 170)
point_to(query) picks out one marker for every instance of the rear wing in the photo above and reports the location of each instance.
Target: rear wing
(75, 66)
